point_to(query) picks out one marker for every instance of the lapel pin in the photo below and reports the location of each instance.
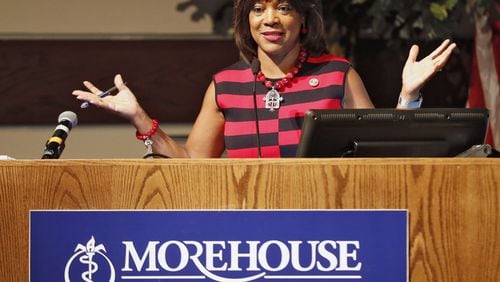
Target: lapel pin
(313, 82)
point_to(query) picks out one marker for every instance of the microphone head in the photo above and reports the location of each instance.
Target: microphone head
(69, 116)
(255, 66)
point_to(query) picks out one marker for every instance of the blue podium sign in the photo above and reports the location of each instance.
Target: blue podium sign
(233, 246)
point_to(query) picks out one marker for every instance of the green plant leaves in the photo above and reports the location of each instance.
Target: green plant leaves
(439, 11)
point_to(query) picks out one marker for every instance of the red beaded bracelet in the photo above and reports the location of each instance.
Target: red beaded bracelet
(149, 133)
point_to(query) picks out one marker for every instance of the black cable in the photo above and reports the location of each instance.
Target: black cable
(255, 70)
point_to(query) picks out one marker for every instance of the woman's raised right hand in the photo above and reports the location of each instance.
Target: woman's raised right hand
(123, 103)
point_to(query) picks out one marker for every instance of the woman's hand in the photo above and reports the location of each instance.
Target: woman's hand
(123, 103)
(417, 73)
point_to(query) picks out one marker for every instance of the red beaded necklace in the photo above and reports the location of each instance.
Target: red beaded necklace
(273, 97)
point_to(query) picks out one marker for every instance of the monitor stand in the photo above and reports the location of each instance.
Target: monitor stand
(477, 151)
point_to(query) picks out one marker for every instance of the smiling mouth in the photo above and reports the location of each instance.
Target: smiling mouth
(273, 35)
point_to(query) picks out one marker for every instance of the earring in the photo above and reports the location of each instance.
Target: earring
(304, 29)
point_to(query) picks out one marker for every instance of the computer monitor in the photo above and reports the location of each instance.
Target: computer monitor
(391, 133)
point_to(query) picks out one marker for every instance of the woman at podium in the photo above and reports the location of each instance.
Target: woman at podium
(254, 107)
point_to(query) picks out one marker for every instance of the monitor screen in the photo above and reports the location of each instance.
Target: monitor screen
(391, 133)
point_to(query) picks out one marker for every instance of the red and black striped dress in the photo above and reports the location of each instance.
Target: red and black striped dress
(279, 130)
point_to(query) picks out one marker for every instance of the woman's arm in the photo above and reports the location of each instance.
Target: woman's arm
(205, 140)
(207, 136)
(355, 94)
(415, 75)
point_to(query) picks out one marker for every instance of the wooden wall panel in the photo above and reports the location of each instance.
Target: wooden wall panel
(169, 77)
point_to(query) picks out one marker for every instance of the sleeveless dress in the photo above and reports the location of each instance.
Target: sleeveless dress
(318, 85)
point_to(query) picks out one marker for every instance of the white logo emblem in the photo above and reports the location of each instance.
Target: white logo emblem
(87, 256)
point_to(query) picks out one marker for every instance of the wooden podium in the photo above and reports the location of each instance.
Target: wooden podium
(454, 203)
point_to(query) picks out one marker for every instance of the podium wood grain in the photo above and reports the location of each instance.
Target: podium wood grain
(453, 203)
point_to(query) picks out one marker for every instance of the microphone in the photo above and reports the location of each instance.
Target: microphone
(55, 145)
(255, 66)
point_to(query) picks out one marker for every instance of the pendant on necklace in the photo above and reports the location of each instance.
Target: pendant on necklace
(273, 100)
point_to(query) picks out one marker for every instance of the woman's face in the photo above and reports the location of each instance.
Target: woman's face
(275, 26)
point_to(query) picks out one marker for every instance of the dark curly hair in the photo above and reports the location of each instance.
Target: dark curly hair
(313, 41)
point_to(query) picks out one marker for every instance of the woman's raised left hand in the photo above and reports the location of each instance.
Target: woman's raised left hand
(417, 73)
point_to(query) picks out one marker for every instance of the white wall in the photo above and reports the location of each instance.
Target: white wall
(75, 17)
(84, 142)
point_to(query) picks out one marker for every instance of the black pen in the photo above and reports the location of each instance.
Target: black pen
(101, 95)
